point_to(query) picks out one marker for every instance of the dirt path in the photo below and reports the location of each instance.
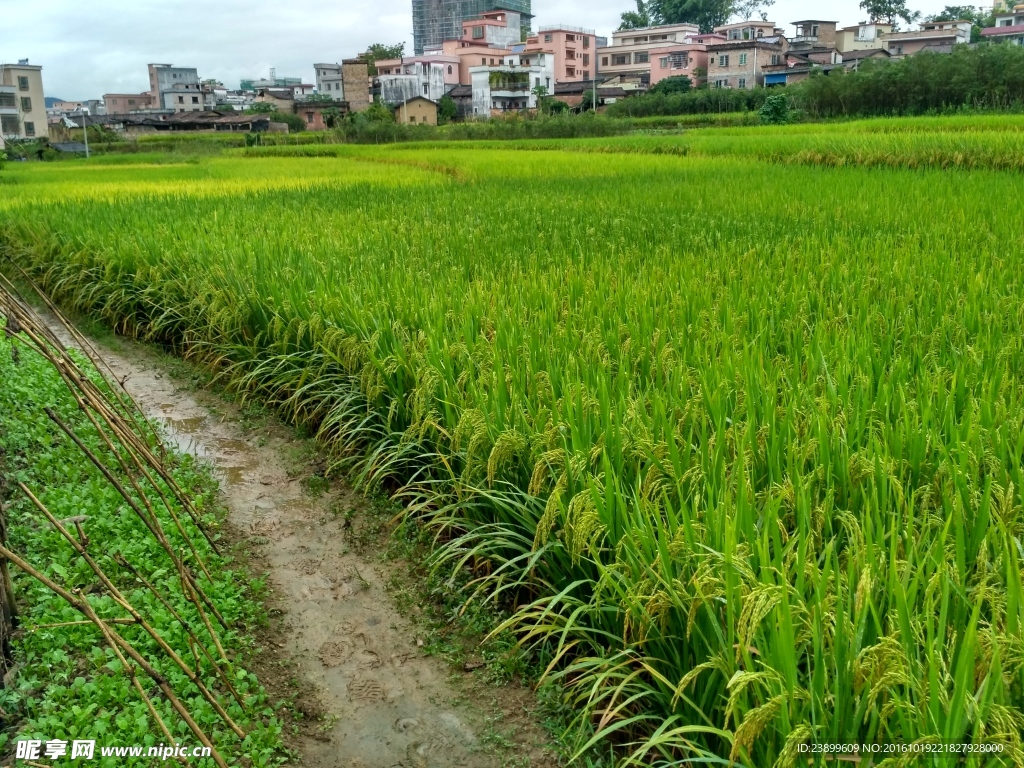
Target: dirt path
(382, 702)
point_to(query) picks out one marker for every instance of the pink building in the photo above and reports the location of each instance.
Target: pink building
(470, 55)
(683, 59)
(574, 49)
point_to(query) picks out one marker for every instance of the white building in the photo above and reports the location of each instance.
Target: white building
(509, 86)
(178, 89)
(430, 76)
(1009, 27)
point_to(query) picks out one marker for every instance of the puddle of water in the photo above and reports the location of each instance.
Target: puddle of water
(185, 426)
(227, 445)
(231, 475)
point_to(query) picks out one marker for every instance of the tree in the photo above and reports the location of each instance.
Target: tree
(889, 11)
(447, 109)
(379, 51)
(639, 18)
(775, 110)
(260, 108)
(378, 113)
(747, 8)
(670, 85)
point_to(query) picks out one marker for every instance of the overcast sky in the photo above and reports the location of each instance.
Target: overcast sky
(91, 48)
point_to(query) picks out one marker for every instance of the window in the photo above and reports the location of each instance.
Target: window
(641, 57)
(478, 32)
(449, 69)
(337, 86)
(586, 41)
(22, 83)
(734, 34)
(721, 83)
(743, 59)
(426, 89)
(483, 62)
(586, 59)
(776, 59)
(492, 62)
(131, 102)
(547, 38)
(743, 82)
(604, 61)
(586, 74)
(309, 117)
(181, 99)
(195, 99)
(538, 82)
(663, 62)
(547, 81)
(620, 59)
(26, 104)
(814, 31)
(760, 33)
(723, 61)
(7, 100)
(30, 129)
(9, 125)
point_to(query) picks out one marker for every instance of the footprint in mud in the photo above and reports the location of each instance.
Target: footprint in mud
(367, 689)
(334, 653)
(407, 724)
(369, 660)
(308, 567)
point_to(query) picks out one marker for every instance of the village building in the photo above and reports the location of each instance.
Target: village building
(416, 111)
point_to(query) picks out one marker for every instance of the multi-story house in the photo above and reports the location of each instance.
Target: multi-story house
(127, 103)
(495, 29)
(628, 57)
(348, 81)
(862, 37)
(430, 76)
(178, 89)
(574, 50)
(469, 55)
(739, 61)
(434, 21)
(934, 36)
(22, 101)
(683, 59)
(1009, 27)
(510, 86)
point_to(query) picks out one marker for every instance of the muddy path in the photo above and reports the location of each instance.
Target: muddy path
(337, 642)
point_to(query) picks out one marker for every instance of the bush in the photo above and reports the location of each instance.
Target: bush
(295, 123)
(775, 110)
(694, 101)
(670, 85)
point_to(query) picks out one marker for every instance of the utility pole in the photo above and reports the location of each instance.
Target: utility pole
(85, 130)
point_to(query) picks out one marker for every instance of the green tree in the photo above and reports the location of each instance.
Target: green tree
(889, 11)
(378, 113)
(379, 51)
(260, 108)
(639, 18)
(670, 85)
(775, 110)
(706, 14)
(447, 109)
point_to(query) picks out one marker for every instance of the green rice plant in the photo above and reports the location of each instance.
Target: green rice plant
(737, 443)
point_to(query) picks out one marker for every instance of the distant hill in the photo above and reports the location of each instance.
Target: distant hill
(51, 100)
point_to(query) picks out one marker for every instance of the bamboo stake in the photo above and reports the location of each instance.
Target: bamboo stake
(77, 604)
(123, 602)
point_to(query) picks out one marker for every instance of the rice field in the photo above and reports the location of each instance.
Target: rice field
(733, 434)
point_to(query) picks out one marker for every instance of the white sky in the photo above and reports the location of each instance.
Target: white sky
(91, 48)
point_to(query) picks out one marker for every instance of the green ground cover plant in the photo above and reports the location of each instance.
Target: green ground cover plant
(737, 443)
(67, 683)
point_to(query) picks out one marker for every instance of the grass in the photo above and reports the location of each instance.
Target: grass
(734, 439)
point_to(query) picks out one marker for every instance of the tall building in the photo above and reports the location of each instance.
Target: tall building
(22, 103)
(178, 89)
(434, 21)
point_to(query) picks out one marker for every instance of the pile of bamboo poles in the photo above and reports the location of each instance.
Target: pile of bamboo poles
(134, 465)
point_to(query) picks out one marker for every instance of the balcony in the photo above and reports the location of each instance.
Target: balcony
(804, 39)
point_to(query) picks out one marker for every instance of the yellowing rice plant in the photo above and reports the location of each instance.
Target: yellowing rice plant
(737, 444)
